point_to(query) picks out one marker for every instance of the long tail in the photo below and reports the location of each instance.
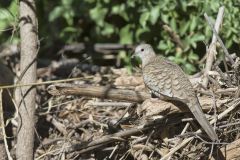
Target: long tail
(196, 109)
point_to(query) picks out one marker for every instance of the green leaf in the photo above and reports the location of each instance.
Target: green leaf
(126, 35)
(106, 1)
(193, 57)
(234, 30)
(189, 68)
(235, 38)
(120, 10)
(68, 15)
(67, 2)
(193, 24)
(98, 14)
(5, 19)
(108, 29)
(116, 9)
(13, 8)
(162, 45)
(56, 13)
(184, 5)
(70, 29)
(228, 44)
(228, 33)
(173, 24)
(144, 18)
(184, 28)
(197, 37)
(131, 3)
(165, 18)
(154, 14)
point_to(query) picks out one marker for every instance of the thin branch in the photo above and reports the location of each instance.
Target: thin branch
(211, 50)
(2, 125)
(215, 32)
(174, 36)
(111, 104)
(105, 92)
(44, 83)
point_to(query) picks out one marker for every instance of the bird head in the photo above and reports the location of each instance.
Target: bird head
(145, 52)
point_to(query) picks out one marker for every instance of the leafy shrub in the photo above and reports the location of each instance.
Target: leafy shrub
(8, 21)
(133, 21)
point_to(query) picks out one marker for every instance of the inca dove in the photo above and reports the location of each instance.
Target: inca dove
(166, 80)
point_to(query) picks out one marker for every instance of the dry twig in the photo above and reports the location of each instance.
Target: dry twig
(3, 135)
(211, 51)
(118, 136)
(220, 116)
(215, 32)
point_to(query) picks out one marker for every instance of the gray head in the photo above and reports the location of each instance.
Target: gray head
(145, 52)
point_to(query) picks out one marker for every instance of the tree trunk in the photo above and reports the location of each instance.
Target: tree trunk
(25, 96)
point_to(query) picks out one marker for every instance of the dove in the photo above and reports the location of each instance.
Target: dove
(167, 81)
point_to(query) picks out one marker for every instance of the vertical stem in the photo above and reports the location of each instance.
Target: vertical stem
(25, 96)
(211, 51)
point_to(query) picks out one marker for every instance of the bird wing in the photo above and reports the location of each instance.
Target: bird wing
(167, 79)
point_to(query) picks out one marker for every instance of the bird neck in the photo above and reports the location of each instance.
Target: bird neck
(146, 60)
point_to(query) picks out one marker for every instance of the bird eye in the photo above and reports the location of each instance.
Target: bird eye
(142, 50)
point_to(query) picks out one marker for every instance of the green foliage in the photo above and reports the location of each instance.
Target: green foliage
(134, 21)
(8, 22)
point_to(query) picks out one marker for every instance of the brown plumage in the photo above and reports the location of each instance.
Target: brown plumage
(167, 80)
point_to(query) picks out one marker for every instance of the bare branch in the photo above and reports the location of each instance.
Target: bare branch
(215, 32)
(211, 51)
